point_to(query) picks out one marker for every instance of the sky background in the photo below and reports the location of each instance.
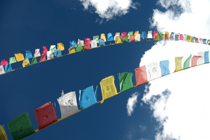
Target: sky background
(171, 107)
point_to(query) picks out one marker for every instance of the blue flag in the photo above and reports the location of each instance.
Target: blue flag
(144, 36)
(110, 37)
(28, 55)
(206, 57)
(8, 68)
(57, 52)
(204, 41)
(73, 43)
(87, 97)
(101, 42)
(164, 65)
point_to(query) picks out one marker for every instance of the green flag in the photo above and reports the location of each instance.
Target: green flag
(208, 42)
(185, 37)
(34, 60)
(79, 47)
(161, 36)
(12, 60)
(21, 126)
(193, 39)
(125, 38)
(187, 62)
(125, 79)
(129, 34)
(96, 38)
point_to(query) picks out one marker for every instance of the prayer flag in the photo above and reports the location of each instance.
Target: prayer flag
(28, 55)
(103, 36)
(189, 38)
(87, 97)
(204, 41)
(144, 36)
(96, 38)
(185, 37)
(101, 42)
(154, 33)
(137, 32)
(57, 52)
(60, 46)
(149, 35)
(37, 53)
(88, 40)
(43, 58)
(172, 36)
(153, 71)
(196, 40)
(45, 115)
(193, 39)
(4, 62)
(132, 39)
(52, 48)
(108, 88)
(19, 57)
(8, 68)
(161, 36)
(187, 62)
(166, 35)
(201, 58)
(12, 60)
(156, 37)
(206, 57)
(2, 69)
(116, 34)
(50, 55)
(110, 37)
(118, 40)
(125, 38)
(125, 79)
(34, 60)
(3, 135)
(26, 63)
(94, 44)
(73, 43)
(80, 47)
(181, 37)
(72, 50)
(87, 45)
(200, 40)
(177, 37)
(129, 34)
(45, 50)
(178, 63)
(194, 60)
(164, 66)
(80, 41)
(21, 126)
(208, 42)
(137, 37)
(123, 34)
(141, 75)
(67, 103)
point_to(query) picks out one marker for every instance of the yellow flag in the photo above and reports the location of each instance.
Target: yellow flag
(26, 63)
(178, 63)
(166, 35)
(118, 40)
(19, 57)
(103, 36)
(189, 38)
(108, 88)
(60, 46)
(72, 50)
(137, 32)
(3, 135)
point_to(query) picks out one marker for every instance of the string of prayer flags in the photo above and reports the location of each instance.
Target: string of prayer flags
(80, 47)
(141, 75)
(57, 52)
(73, 43)
(137, 37)
(101, 42)
(37, 53)
(132, 39)
(67, 103)
(26, 63)
(161, 36)
(187, 62)
(3, 135)
(116, 34)
(2, 69)
(144, 36)
(123, 34)
(50, 55)
(45, 115)
(153, 71)
(43, 58)
(4, 62)
(149, 35)
(176, 36)
(87, 45)
(34, 60)
(125, 39)
(201, 58)
(194, 60)
(94, 44)
(96, 38)
(172, 36)
(61, 46)
(72, 50)
(118, 40)
(178, 63)
(12, 60)
(103, 36)
(19, 57)
(28, 55)
(129, 34)
(21, 126)
(8, 68)
(45, 50)
(108, 88)
(166, 35)
(164, 66)
(206, 57)
(125, 79)
(88, 40)
(110, 37)
(87, 97)
(52, 48)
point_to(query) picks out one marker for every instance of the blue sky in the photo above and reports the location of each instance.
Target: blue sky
(30, 25)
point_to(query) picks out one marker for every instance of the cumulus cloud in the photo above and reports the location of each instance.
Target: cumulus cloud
(132, 103)
(107, 9)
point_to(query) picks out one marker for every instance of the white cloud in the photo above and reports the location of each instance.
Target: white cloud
(180, 100)
(107, 9)
(131, 103)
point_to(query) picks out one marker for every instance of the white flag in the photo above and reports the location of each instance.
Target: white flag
(201, 59)
(68, 103)
(149, 35)
(138, 37)
(153, 71)
(94, 44)
(50, 55)
(37, 53)
(2, 69)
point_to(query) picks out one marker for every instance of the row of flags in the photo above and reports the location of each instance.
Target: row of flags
(22, 127)
(82, 45)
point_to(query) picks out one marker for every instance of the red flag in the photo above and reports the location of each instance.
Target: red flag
(131, 39)
(43, 58)
(141, 75)
(87, 40)
(4, 62)
(86, 46)
(45, 50)
(155, 32)
(45, 115)
(194, 60)
(196, 40)
(181, 37)
(123, 34)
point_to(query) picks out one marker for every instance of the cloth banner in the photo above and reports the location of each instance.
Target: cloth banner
(153, 71)
(141, 75)
(164, 66)
(125, 79)
(194, 60)
(178, 63)
(187, 62)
